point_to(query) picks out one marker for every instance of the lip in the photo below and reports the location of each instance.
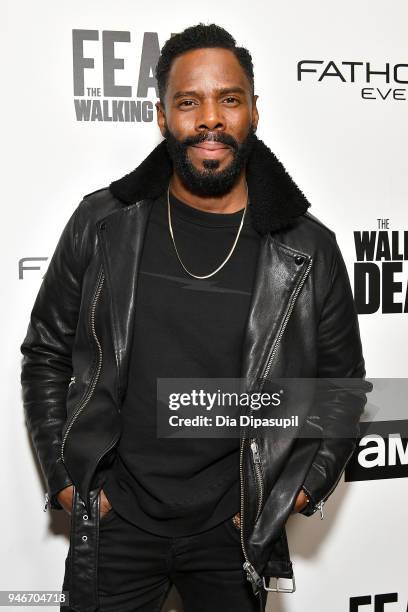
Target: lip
(210, 150)
(211, 146)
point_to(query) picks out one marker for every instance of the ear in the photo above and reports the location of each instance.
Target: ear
(255, 114)
(161, 118)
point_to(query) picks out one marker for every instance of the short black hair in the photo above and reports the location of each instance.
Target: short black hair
(200, 36)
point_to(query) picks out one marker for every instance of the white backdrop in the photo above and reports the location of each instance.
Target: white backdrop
(348, 155)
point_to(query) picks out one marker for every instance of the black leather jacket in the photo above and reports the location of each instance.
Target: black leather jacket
(302, 323)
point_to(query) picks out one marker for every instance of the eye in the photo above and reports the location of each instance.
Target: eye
(186, 103)
(231, 99)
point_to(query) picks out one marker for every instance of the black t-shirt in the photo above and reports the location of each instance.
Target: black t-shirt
(184, 328)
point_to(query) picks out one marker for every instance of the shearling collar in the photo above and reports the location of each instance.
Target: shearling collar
(274, 198)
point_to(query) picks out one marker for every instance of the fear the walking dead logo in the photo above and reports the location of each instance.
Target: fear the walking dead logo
(380, 272)
(114, 75)
(379, 81)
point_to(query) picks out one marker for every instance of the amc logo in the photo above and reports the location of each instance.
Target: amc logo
(380, 455)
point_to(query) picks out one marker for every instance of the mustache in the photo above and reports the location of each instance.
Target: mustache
(210, 137)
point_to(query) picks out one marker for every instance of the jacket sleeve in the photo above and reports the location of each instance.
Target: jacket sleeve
(341, 404)
(46, 364)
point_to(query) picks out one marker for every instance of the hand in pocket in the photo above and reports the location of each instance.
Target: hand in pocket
(64, 497)
(104, 504)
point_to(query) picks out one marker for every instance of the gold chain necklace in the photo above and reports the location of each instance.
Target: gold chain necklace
(232, 248)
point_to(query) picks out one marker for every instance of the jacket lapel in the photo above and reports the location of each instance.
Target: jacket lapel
(121, 236)
(279, 273)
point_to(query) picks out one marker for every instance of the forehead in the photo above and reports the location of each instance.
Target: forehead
(206, 68)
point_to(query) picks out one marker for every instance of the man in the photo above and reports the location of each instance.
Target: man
(234, 278)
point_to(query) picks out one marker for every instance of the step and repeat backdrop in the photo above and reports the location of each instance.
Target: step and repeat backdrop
(78, 96)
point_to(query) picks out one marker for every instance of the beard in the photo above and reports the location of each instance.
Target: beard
(209, 182)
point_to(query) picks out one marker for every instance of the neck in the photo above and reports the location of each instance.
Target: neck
(231, 202)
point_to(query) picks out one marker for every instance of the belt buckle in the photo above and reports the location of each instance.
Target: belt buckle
(277, 589)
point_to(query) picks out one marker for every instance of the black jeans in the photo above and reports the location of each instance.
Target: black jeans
(136, 569)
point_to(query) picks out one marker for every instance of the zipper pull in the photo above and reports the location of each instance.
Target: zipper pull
(319, 506)
(47, 499)
(255, 452)
(252, 574)
(72, 381)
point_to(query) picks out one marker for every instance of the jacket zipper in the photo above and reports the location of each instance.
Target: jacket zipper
(319, 506)
(257, 463)
(90, 391)
(285, 321)
(252, 574)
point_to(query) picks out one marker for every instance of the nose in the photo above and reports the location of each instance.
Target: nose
(210, 116)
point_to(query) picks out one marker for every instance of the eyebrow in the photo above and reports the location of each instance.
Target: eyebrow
(221, 92)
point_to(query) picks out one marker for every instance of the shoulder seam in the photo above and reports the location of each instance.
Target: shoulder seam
(96, 191)
(309, 215)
